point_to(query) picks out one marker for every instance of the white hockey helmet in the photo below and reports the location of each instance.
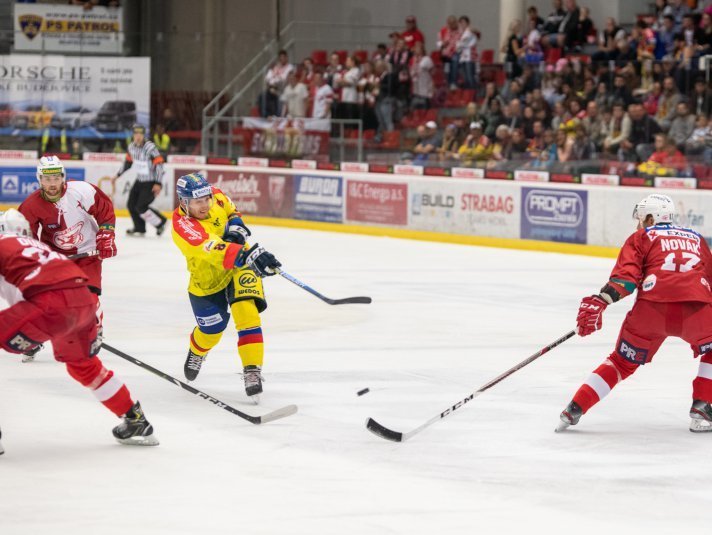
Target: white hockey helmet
(661, 207)
(50, 165)
(13, 222)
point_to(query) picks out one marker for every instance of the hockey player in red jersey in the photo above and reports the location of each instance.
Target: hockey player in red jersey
(50, 300)
(71, 218)
(671, 267)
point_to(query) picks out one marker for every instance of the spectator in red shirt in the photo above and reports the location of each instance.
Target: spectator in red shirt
(412, 34)
(667, 155)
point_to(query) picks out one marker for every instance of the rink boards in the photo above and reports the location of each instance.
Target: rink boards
(523, 212)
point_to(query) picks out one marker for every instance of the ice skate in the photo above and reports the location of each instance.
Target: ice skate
(253, 381)
(135, 233)
(161, 228)
(135, 430)
(29, 356)
(570, 416)
(701, 414)
(192, 365)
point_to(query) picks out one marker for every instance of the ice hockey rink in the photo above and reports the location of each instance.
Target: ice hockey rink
(445, 319)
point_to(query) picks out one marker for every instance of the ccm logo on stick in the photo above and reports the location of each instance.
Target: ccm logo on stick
(705, 348)
(456, 406)
(632, 353)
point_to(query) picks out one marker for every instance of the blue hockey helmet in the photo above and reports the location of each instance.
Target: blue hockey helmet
(192, 186)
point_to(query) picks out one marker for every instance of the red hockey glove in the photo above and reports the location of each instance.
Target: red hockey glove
(105, 243)
(590, 315)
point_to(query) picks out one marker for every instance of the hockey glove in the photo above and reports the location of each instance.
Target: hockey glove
(262, 262)
(590, 315)
(236, 231)
(105, 243)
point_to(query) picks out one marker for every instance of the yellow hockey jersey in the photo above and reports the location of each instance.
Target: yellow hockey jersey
(210, 260)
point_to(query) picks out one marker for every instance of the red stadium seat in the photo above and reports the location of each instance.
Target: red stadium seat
(342, 55)
(414, 119)
(553, 55)
(436, 57)
(487, 57)
(361, 55)
(391, 140)
(319, 57)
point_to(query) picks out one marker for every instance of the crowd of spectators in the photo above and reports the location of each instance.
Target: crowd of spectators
(639, 95)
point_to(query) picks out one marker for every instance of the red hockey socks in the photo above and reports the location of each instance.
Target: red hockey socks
(105, 386)
(613, 370)
(702, 385)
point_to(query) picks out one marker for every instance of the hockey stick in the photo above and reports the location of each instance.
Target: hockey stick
(344, 301)
(270, 416)
(83, 255)
(396, 436)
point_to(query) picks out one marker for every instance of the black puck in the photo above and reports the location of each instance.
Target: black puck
(362, 392)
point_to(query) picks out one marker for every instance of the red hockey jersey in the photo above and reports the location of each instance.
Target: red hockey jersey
(28, 267)
(70, 224)
(666, 264)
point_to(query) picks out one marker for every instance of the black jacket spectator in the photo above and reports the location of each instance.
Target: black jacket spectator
(643, 130)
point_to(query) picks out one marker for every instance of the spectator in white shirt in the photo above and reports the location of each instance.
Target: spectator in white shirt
(421, 67)
(348, 82)
(467, 51)
(294, 97)
(322, 97)
(277, 75)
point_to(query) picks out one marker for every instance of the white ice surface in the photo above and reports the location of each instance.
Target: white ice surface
(445, 319)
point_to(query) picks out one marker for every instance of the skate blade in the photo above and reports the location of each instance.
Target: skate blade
(255, 399)
(700, 426)
(150, 440)
(28, 358)
(563, 426)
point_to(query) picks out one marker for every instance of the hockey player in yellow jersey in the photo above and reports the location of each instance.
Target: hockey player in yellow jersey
(225, 276)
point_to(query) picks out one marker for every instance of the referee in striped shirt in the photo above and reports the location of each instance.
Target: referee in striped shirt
(144, 157)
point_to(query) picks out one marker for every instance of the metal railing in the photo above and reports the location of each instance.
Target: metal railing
(298, 38)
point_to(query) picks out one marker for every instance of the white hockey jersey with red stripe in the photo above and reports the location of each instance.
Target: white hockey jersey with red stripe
(70, 224)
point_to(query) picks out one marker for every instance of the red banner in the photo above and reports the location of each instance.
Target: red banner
(255, 193)
(377, 202)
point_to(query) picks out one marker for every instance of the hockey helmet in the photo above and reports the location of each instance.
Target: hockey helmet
(50, 165)
(661, 207)
(138, 129)
(192, 186)
(13, 222)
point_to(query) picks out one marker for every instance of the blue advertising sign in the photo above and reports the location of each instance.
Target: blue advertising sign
(554, 215)
(319, 198)
(16, 183)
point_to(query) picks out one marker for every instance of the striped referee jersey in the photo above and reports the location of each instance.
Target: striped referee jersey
(146, 160)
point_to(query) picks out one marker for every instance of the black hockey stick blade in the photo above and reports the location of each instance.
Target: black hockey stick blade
(83, 255)
(377, 429)
(257, 420)
(361, 300)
